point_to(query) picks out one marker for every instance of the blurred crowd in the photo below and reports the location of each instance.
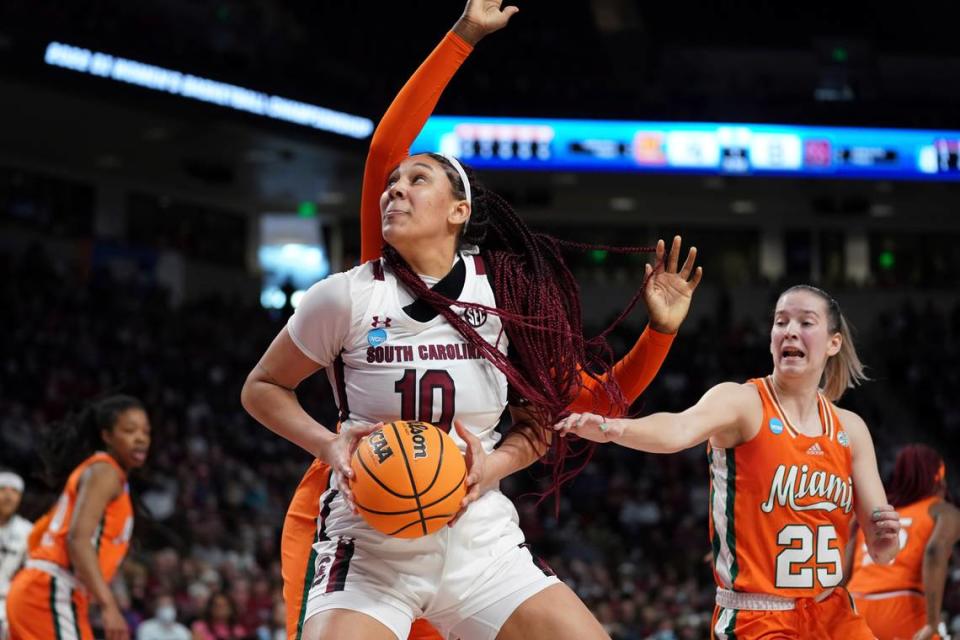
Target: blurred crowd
(629, 535)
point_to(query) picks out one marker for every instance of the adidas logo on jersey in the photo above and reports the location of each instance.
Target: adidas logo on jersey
(815, 450)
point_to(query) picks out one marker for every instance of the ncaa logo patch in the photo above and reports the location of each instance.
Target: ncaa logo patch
(475, 317)
(843, 438)
(376, 337)
(776, 427)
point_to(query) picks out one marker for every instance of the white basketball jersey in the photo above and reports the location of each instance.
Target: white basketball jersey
(13, 551)
(409, 363)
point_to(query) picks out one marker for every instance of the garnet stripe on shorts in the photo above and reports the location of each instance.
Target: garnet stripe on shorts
(325, 510)
(341, 565)
(537, 560)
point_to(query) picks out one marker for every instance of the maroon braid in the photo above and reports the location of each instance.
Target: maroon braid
(538, 301)
(915, 475)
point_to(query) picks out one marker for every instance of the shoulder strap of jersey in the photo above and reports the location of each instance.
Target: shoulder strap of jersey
(828, 417)
(103, 456)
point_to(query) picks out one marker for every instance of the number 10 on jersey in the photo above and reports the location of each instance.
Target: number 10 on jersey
(418, 399)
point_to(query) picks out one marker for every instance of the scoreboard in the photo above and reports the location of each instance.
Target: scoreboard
(694, 147)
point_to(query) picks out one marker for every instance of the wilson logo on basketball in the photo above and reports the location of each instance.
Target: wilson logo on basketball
(419, 441)
(475, 317)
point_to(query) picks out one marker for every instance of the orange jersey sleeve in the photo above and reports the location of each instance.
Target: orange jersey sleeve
(391, 142)
(633, 373)
(397, 130)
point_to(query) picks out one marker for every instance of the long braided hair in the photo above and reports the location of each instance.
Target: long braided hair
(538, 302)
(65, 444)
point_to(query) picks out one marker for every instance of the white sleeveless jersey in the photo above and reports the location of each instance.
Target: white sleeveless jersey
(13, 551)
(398, 360)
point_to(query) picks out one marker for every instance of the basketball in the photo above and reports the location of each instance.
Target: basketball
(409, 479)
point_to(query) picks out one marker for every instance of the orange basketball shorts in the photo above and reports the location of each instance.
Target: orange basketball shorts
(895, 617)
(833, 618)
(41, 606)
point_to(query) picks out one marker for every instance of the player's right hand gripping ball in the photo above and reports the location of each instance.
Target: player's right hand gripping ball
(410, 479)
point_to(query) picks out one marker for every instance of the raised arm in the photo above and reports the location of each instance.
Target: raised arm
(667, 295)
(409, 111)
(879, 520)
(726, 413)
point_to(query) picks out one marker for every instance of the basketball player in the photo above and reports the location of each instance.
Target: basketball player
(667, 296)
(903, 600)
(379, 325)
(787, 469)
(77, 546)
(14, 530)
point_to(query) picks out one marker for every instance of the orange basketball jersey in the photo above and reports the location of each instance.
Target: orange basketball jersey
(112, 537)
(780, 505)
(906, 571)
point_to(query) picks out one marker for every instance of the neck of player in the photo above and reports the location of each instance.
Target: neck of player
(798, 396)
(431, 259)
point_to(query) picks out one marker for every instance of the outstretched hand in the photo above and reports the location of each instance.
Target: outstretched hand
(338, 452)
(481, 18)
(589, 426)
(669, 291)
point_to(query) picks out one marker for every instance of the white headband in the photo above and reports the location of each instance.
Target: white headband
(8, 479)
(463, 176)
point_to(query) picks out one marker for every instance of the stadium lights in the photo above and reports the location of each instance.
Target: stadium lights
(186, 85)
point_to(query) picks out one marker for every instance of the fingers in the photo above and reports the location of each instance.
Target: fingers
(564, 426)
(465, 434)
(687, 267)
(348, 498)
(674, 257)
(473, 489)
(353, 435)
(695, 281)
(575, 421)
(475, 460)
(343, 484)
(661, 250)
(454, 519)
(362, 431)
(473, 493)
(886, 521)
(474, 453)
